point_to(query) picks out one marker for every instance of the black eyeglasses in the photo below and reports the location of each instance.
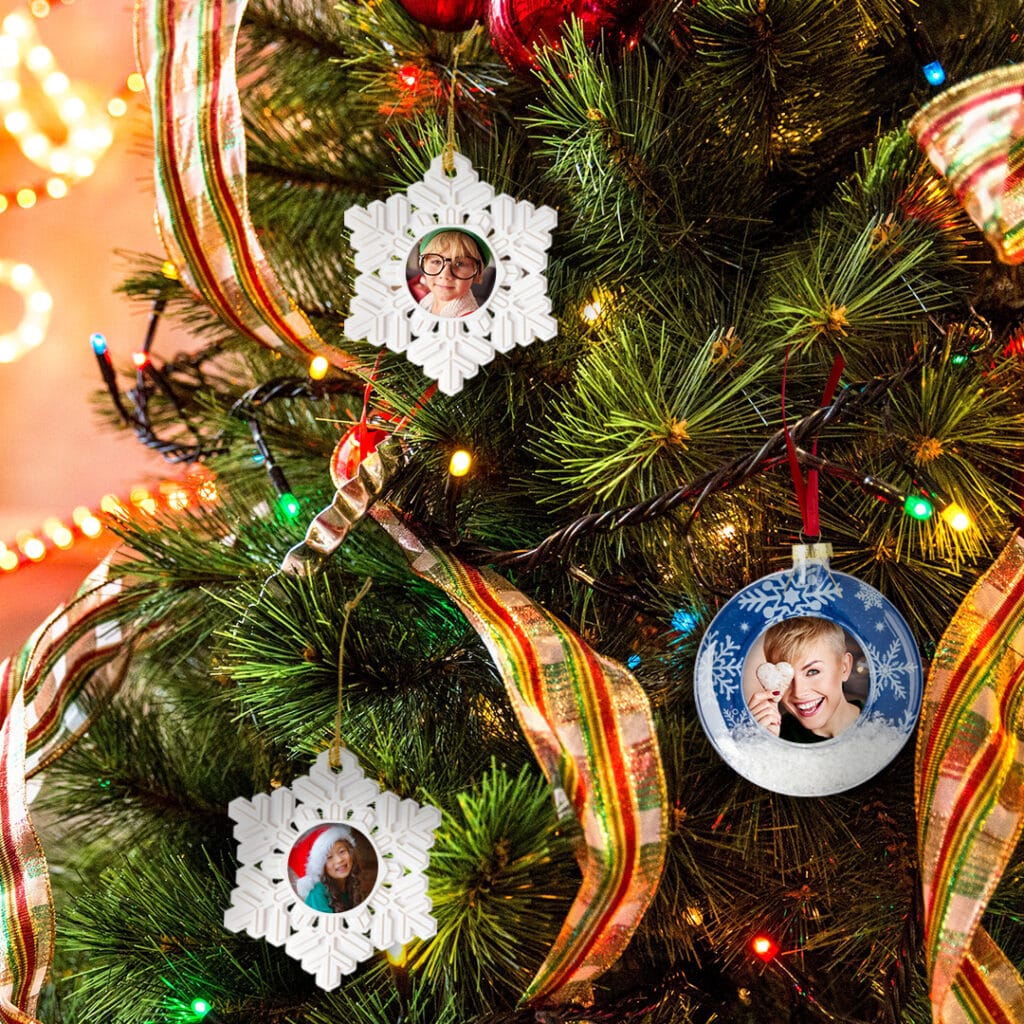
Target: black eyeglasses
(463, 267)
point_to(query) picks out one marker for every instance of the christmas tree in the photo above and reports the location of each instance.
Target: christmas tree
(735, 308)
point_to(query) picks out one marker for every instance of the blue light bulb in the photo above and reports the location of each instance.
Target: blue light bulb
(685, 621)
(99, 343)
(633, 661)
(934, 73)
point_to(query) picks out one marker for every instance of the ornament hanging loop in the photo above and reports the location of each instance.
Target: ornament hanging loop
(450, 149)
(350, 607)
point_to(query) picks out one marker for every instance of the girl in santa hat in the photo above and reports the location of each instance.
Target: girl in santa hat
(325, 870)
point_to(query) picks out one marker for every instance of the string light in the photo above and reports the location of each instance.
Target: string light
(764, 947)
(86, 135)
(956, 518)
(36, 318)
(460, 463)
(318, 368)
(33, 546)
(200, 1007)
(918, 507)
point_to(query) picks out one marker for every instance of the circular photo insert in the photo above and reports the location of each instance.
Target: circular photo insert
(806, 679)
(333, 868)
(450, 272)
(808, 682)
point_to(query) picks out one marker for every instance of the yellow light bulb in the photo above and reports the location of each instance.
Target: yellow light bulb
(8, 561)
(318, 367)
(135, 82)
(956, 518)
(26, 198)
(91, 526)
(460, 462)
(34, 549)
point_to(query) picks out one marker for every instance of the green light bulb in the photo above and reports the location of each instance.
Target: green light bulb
(917, 507)
(200, 1007)
(288, 505)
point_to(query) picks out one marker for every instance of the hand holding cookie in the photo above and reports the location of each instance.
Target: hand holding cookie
(774, 677)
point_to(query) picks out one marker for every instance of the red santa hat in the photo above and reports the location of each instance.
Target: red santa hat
(308, 856)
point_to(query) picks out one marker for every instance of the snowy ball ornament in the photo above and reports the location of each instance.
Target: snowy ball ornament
(332, 869)
(445, 15)
(808, 681)
(519, 27)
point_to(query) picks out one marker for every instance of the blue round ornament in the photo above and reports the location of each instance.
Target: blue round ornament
(885, 680)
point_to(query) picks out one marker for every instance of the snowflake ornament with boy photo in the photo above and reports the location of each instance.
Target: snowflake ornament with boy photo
(808, 681)
(332, 868)
(450, 273)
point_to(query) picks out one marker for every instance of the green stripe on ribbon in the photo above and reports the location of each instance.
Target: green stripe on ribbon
(970, 795)
(589, 724)
(187, 52)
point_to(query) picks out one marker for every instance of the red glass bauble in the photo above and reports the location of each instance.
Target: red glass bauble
(518, 27)
(446, 15)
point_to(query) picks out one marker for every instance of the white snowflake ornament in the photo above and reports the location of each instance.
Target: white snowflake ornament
(504, 305)
(332, 869)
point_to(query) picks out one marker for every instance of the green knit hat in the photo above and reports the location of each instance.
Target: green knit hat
(485, 253)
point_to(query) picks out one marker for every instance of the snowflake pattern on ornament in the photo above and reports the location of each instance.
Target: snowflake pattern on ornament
(386, 237)
(396, 835)
(783, 595)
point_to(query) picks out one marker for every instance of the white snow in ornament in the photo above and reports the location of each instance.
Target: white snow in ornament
(796, 769)
(264, 902)
(516, 312)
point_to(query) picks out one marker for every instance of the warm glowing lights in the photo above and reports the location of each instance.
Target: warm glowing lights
(135, 82)
(956, 518)
(409, 76)
(26, 198)
(31, 546)
(117, 107)
(318, 367)
(140, 359)
(598, 306)
(764, 946)
(460, 462)
(84, 134)
(694, 916)
(36, 318)
(169, 270)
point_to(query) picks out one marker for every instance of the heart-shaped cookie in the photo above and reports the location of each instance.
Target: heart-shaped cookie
(774, 675)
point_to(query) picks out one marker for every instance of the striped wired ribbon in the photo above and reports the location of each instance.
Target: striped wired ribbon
(970, 795)
(77, 653)
(589, 724)
(973, 134)
(186, 50)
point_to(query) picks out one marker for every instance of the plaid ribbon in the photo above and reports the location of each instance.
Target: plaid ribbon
(970, 795)
(187, 53)
(77, 650)
(589, 724)
(973, 133)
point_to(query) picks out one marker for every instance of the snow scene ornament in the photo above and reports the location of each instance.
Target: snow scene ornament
(332, 868)
(808, 681)
(450, 273)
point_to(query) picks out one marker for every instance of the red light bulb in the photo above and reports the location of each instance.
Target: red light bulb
(140, 359)
(764, 946)
(409, 76)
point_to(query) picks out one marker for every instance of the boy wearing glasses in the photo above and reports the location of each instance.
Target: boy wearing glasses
(451, 263)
